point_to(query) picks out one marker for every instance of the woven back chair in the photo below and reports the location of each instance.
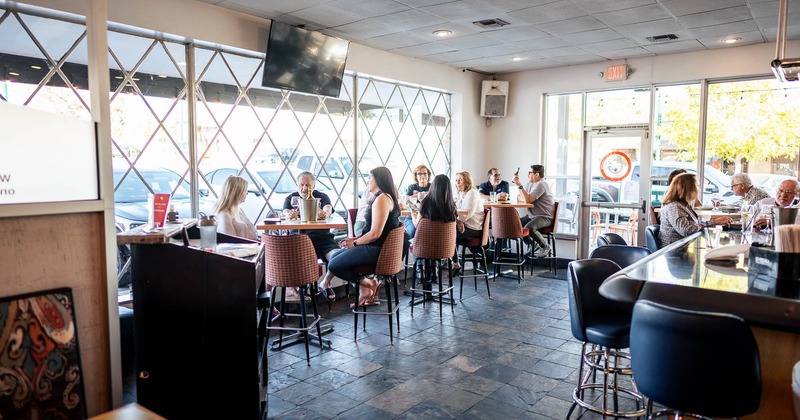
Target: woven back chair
(434, 245)
(290, 262)
(389, 263)
(506, 225)
(476, 249)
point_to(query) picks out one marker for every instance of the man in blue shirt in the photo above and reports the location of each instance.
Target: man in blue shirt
(495, 184)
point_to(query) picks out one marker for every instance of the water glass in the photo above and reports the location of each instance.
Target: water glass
(713, 235)
(492, 197)
(296, 203)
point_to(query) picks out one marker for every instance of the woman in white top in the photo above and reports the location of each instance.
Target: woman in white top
(470, 225)
(231, 220)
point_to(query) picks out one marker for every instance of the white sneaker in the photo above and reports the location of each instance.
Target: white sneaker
(544, 252)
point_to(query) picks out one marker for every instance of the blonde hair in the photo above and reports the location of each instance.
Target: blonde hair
(468, 185)
(683, 189)
(233, 191)
(419, 169)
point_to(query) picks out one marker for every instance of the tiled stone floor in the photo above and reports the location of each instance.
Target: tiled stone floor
(511, 356)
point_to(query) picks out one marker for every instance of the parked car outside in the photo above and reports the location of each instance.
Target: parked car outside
(130, 197)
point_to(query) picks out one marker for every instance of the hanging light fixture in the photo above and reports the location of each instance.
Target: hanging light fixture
(786, 70)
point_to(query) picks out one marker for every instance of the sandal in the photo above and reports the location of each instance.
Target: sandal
(456, 271)
(328, 294)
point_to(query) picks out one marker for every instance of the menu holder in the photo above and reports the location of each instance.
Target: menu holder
(773, 273)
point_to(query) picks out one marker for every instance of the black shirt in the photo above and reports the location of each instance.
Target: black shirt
(392, 221)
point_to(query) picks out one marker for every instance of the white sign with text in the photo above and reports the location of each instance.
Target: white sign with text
(45, 157)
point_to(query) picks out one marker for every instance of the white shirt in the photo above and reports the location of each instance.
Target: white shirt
(472, 202)
(239, 226)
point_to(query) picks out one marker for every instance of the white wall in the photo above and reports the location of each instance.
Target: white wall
(518, 136)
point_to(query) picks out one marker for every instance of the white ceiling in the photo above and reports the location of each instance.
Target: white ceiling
(541, 33)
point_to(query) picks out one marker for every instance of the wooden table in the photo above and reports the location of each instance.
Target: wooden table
(333, 222)
(143, 235)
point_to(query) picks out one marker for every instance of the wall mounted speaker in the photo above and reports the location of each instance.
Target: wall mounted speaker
(494, 98)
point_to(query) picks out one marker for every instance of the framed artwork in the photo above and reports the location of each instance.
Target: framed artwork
(40, 369)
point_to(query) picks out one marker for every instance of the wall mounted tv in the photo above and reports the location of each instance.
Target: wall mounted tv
(304, 61)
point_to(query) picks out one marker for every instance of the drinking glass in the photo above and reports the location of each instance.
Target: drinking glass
(492, 197)
(747, 216)
(296, 203)
(421, 195)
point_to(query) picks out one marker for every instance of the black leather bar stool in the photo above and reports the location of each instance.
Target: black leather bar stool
(651, 234)
(623, 255)
(702, 363)
(605, 324)
(609, 238)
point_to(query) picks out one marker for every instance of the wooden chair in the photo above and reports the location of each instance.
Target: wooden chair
(476, 247)
(628, 229)
(389, 263)
(434, 246)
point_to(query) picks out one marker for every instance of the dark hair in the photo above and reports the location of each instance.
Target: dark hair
(682, 190)
(489, 172)
(539, 169)
(439, 205)
(673, 174)
(383, 179)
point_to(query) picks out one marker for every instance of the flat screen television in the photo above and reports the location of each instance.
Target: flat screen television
(304, 61)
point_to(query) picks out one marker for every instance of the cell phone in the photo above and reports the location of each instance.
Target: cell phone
(517, 172)
(413, 205)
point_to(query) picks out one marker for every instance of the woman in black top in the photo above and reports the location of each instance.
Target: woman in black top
(438, 205)
(383, 216)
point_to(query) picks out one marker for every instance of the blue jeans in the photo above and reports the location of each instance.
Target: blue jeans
(408, 223)
(343, 261)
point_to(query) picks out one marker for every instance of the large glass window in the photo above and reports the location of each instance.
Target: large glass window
(563, 139)
(617, 107)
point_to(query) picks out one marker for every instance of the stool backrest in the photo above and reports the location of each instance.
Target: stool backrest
(554, 222)
(623, 255)
(506, 223)
(651, 234)
(485, 232)
(289, 260)
(390, 259)
(609, 238)
(435, 239)
(699, 362)
(584, 280)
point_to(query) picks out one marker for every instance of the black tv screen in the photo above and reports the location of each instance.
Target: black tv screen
(304, 61)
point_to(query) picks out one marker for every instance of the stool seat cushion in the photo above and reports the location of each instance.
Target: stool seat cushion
(469, 242)
(609, 329)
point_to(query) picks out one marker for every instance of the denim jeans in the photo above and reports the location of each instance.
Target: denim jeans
(534, 224)
(343, 261)
(408, 223)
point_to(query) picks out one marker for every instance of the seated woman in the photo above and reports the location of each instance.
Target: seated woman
(422, 176)
(382, 216)
(438, 205)
(470, 225)
(678, 219)
(231, 220)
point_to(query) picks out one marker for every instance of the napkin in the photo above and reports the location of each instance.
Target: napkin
(238, 250)
(728, 253)
(729, 269)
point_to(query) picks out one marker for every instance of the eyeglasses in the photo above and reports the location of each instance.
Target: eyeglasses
(497, 175)
(735, 185)
(421, 174)
(531, 172)
(787, 192)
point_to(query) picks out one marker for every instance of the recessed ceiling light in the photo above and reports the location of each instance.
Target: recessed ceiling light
(36, 67)
(13, 73)
(442, 32)
(162, 76)
(517, 58)
(731, 39)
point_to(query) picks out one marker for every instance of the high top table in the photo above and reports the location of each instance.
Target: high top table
(679, 276)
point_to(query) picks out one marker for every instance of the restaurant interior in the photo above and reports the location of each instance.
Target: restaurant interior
(130, 99)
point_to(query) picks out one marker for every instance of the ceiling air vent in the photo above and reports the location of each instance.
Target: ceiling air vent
(491, 23)
(662, 38)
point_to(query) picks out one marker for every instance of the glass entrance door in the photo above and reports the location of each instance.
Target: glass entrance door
(616, 181)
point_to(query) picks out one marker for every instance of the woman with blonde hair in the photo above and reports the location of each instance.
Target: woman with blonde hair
(231, 219)
(678, 219)
(470, 225)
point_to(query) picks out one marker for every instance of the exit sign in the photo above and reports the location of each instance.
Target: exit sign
(615, 73)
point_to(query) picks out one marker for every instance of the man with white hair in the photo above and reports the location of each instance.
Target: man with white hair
(742, 186)
(784, 196)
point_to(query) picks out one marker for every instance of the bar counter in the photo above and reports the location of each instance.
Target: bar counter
(679, 276)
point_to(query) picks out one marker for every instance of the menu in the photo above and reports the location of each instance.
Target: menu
(46, 157)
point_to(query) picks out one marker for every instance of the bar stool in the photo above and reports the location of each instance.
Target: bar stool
(476, 249)
(610, 239)
(434, 246)
(506, 225)
(389, 263)
(623, 255)
(651, 233)
(605, 324)
(702, 363)
(548, 232)
(291, 262)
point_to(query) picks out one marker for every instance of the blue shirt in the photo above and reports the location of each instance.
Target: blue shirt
(486, 188)
(415, 187)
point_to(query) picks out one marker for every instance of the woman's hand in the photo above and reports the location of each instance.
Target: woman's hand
(347, 243)
(721, 220)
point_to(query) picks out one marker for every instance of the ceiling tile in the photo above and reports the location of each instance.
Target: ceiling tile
(561, 52)
(595, 6)
(638, 31)
(725, 29)
(476, 62)
(616, 44)
(767, 8)
(580, 58)
(771, 22)
(715, 17)
(272, 7)
(673, 47)
(746, 38)
(408, 19)
(792, 32)
(421, 3)
(457, 30)
(327, 16)
(551, 12)
(587, 37)
(395, 40)
(625, 53)
(633, 15)
(687, 7)
(364, 29)
(466, 10)
(496, 50)
(465, 42)
(578, 24)
(516, 34)
(447, 57)
(424, 49)
(512, 5)
(369, 8)
(542, 43)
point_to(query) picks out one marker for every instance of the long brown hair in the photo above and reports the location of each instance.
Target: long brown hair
(683, 189)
